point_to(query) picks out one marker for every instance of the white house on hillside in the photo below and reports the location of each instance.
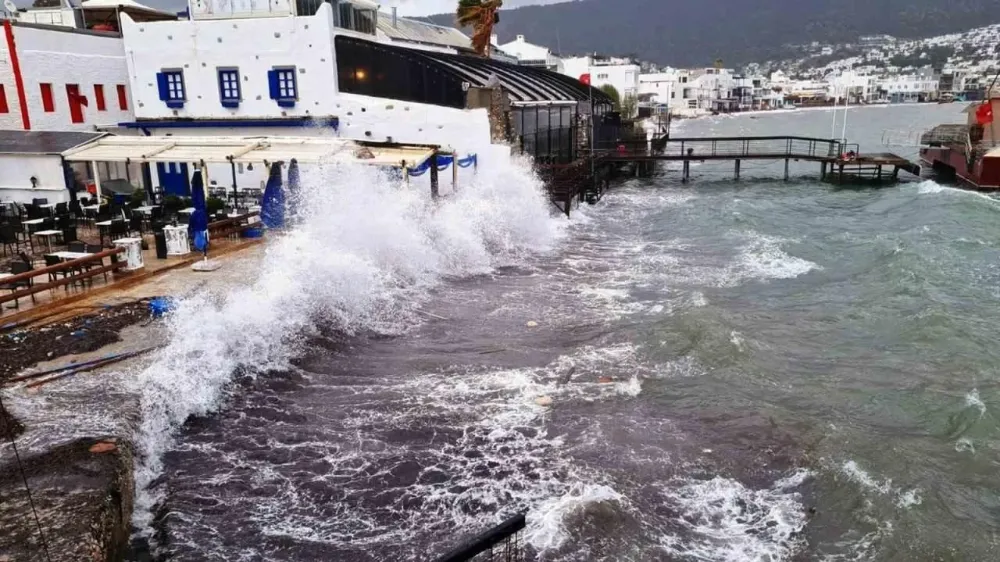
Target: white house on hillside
(529, 54)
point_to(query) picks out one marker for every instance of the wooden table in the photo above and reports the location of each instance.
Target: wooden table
(146, 209)
(48, 234)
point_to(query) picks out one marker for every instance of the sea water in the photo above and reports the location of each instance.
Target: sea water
(761, 370)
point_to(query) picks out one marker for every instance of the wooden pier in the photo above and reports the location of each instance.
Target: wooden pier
(839, 162)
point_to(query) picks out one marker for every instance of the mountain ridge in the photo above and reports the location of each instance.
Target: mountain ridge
(687, 34)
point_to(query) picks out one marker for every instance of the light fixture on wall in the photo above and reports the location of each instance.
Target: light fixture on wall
(34, 182)
(360, 74)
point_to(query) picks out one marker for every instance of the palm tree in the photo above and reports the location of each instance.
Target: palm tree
(481, 15)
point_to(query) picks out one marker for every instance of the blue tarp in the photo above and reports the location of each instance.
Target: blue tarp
(198, 225)
(442, 164)
(272, 208)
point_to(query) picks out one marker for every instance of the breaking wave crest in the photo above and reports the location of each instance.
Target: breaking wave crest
(361, 256)
(725, 520)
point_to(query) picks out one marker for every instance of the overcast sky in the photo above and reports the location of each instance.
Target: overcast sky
(428, 7)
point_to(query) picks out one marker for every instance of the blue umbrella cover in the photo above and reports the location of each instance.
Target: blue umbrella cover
(272, 208)
(198, 225)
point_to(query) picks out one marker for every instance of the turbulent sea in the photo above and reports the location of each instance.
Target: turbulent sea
(738, 371)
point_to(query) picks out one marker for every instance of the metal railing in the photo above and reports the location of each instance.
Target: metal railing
(74, 271)
(501, 543)
(694, 148)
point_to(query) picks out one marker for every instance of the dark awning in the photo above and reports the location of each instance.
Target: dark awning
(523, 83)
(42, 142)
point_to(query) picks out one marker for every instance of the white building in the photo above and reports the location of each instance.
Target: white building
(529, 54)
(908, 88)
(57, 78)
(853, 86)
(622, 73)
(661, 87)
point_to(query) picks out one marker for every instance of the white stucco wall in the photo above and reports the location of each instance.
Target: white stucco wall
(15, 178)
(662, 85)
(60, 57)
(254, 46)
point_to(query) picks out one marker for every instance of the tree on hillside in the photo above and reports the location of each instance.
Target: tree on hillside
(481, 16)
(612, 93)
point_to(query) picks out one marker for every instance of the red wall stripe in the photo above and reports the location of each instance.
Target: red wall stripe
(18, 81)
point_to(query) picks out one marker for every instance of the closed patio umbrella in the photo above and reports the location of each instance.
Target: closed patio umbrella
(272, 208)
(198, 224)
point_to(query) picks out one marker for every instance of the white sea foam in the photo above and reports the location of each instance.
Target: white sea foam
(972, 400)
(904, 499)
(929, 187)
(361, 257)
(547, 522)
(725, 520)
(763, 258)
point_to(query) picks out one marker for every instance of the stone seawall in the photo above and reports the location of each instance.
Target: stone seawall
(83, 493)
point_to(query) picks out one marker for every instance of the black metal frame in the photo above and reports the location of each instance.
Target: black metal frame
(501, 543)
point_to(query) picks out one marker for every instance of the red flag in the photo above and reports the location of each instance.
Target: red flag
(984, 113)
(585, 78)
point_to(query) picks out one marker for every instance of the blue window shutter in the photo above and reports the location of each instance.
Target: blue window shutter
(272, 81)
(161, 83)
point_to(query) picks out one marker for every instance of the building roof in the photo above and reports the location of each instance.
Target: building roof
(253, 150)
(42, 142)
(131, 7)
(523, 83)
(422, 32)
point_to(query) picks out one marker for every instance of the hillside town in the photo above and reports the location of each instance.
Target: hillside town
(878, 69)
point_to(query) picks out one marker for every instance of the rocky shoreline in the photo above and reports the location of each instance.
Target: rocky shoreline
(82, 486)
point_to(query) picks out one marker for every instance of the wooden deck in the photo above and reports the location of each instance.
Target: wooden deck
(72, 299)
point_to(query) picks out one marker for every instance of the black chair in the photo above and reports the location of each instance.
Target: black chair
(40, 201)
(62, 208)
(76, 246)
(118, 229)
(76, 208)
(9, 238)
(135, 224)
(69, 234)
(16, 268)
(51, 260)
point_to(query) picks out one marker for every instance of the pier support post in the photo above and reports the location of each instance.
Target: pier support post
(879, 174)
(687, 171)
(841, 179)
(737, 169)
(786, 169)
(822, 171)
(434, 175)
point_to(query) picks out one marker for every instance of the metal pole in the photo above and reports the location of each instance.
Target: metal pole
(847, 103)
(236, 192)
(434, 175)
(454, 172)
(593, 131)
(97, 181)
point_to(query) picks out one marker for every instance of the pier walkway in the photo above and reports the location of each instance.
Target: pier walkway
(840, 162)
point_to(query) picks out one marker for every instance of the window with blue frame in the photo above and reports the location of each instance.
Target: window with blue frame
(284, 89)
(229, 87)
(171, 86)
